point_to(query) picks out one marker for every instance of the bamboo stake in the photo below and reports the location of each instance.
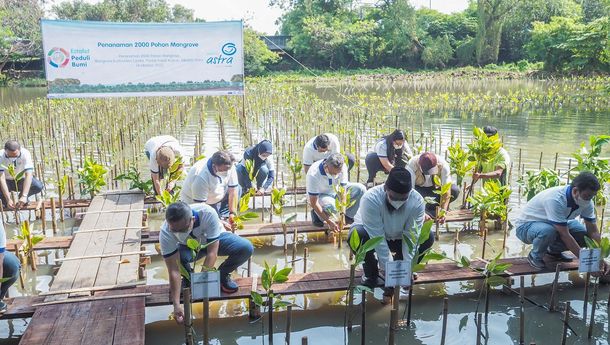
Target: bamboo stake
(305, 256)
(586, 295)
(445, 309)
(206, 321)
(479, 316)
(188, 322)
(270, 308)
(363, 317)
(43, 216)
(409, 302)
(554, 290)
(594, 304)
(88, 299)
(93, 288)
(394, 316)
(521, 311)
(294, 248)
(104, 255)
(566, 316)
(288, 323)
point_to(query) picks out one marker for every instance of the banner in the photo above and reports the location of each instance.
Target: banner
(102, 59)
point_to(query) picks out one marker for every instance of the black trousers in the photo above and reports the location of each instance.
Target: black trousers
(373, 165)
(429, 192)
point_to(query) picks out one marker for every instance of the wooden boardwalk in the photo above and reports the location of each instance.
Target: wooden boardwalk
(109, 228)
(315, 282)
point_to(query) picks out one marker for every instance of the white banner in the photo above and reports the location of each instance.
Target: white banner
(102, 59)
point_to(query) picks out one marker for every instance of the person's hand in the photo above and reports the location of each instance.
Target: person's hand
(179, 315)
(427, 217)
(334, 227)
(10, 203)
(227, 225)
(475, 177)
(260, 192)
(22, 201)
(604, 270)
(170, 186)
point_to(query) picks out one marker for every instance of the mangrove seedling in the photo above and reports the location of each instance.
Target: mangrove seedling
(175, 173)
(136, 182)
(249, 164)
(242, 214)
(92, 176)
(482, 149)
(28, 241)
(535, 182)
(490, 202)
(269, 277)
(296, 167)
(343, 201)
(277, 207)
(166, 198)
(590, 160)
(459, 162)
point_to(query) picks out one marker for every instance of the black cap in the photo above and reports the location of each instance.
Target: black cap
(490, 130)
(399, 180)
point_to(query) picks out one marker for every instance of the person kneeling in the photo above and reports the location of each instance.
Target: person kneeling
(200, 222)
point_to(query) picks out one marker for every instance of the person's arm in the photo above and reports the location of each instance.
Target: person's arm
(446, 178)
(156, 182)
(592, 230)
(233, 199)
(315, 205)
(307, 158)
(175, 283)
(5, 191)
(567, 239)
(211, 255)
(492, 174)
(371, 220)
(385, 162)
(27, 183)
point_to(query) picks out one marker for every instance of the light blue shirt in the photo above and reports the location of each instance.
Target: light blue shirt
(207, 228)
(377, 220)
(556, 206)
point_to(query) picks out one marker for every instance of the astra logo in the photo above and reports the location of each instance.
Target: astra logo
(225, 57)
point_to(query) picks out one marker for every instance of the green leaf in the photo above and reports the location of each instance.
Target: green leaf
(417, 267)
(2, 280)
(291, 218)
(371, 244)
(281, 304)
(257, 298)
(281, 276)
(183, 272)
(591, 243)
(192, 244)
(425, 232)
(36, 239)
(354, 240)
(464, 262)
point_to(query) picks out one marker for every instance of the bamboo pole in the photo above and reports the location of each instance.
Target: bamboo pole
(288, 323)
(593, 307)
(566, 316)
(363, 317)
(394, 316)
(188, 322)
(305, 256)
(552, 302)
(445, 309)
(521, 311)
(53, 216)
(479, 320)
(206, 321)
(586, 294)
(270, 308)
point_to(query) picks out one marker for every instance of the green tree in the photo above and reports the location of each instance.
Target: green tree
(19, 29)
(123, 11)
(397, 29)
(437, 53)
(256, 54)
(491, 14)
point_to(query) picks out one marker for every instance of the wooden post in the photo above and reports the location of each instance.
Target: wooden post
(394, 316)
(566, 316)
(540, 162)
(294, 248)
(569, 169)
(350, 296)
(522, 311)
(53, 216)
(483, 226)
(288, 323)
(43, 216)
(487, 291)
(409, 306)
(437, 225)
(188, 323)
(285, 230)
(206, 321)
(21, 280)
(444, 331)
(555, 164)
(594, 303)
(304, 341)
(305, 255)
(555, 286)
(363, 316)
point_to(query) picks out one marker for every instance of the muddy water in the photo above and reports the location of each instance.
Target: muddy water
(321, 317)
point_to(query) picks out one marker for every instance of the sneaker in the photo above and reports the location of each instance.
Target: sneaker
(229, 286)
(370, 283)
(561, 256)
(536, 263)
(3, 307)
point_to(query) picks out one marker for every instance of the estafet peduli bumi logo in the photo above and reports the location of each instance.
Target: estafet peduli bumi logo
(58, 57)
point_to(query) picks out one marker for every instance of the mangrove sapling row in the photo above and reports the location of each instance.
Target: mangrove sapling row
(534, 182)
(490, 203)
(242, 215)
(277, 207)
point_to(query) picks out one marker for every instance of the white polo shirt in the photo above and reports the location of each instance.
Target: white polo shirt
(155, 143)
(207, 228)
(381, 148)
(21, 163)
(318, 182)
(311, 154)
(413, 166)
(374, 215)
(203, 185)
(556, 206)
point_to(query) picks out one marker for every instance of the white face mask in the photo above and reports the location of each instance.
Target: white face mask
(262, 157)
(397, 203)
(334, 177)
(223, 173)
(581, 202)
(397, 147)
(182, 236)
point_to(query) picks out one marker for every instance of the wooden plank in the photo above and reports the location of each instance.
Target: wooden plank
(89, 267)
(128, 272)
(67, 272)
(129, 325)
(99, 328)
(93, 298)
(41, 326)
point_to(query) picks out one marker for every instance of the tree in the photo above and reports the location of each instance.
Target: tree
(123, 11)
(19, 30)
(437, 53)
(256, 53)
(397, 29)
(567, 45)
(491, 14)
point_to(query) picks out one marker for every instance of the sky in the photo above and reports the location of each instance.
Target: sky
(262, 18)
